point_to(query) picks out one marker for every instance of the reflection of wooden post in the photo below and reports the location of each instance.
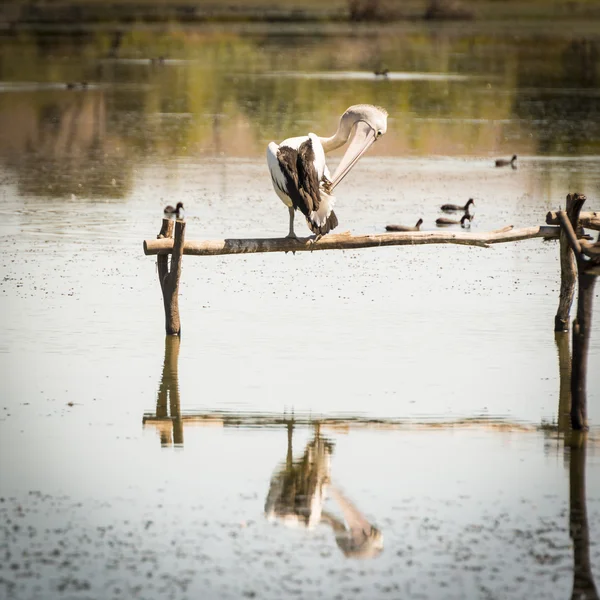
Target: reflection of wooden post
(583, 582)
(568, 275)
(169, 277)
(564, 370)
(168, 393)
(587, 270)
(289, 459)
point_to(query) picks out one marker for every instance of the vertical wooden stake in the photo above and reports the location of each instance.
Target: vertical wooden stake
(568, 275)
(582, 327)
(169, 276)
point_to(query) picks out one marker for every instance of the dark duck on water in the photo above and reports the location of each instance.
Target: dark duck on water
(465, 221)
(416, 227)
(502, 162)
(174, 213)
(456, 207)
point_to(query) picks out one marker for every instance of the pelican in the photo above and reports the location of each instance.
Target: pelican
(300, 175)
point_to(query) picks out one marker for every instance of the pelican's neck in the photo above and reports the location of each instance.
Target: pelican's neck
(339, 138)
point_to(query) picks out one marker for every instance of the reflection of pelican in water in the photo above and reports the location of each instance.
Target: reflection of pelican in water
(299, 489)
(355, 536)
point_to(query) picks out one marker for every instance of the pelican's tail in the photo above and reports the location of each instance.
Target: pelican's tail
(323, 220)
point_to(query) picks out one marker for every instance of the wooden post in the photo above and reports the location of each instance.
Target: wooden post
(583, 581)
(587, 270)
(169, 276)
(582, 326)
(568, 275)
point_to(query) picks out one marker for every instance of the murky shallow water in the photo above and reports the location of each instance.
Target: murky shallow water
(431, 370)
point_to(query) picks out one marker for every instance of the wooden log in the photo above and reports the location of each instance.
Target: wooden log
(345, 241)
(587, 272)
(568, 277)
(588, 220)
(582, 326)
(169, 275)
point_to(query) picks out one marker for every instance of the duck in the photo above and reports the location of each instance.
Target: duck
(502, 162)
(416, 227)
(176, 212)
(443, 221)
(455, 207)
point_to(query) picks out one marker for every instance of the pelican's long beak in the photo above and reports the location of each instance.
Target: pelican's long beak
(362, 140)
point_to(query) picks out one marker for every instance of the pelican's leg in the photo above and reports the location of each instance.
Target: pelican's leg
(291, 234)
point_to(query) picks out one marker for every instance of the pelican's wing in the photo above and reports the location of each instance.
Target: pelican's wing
(308, 176)
(277, 175)
(299, 178)
(297, 172)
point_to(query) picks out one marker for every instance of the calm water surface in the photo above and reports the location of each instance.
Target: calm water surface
(367, 424)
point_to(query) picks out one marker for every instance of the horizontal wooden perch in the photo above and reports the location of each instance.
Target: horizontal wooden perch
(588, 220)
(346, 241)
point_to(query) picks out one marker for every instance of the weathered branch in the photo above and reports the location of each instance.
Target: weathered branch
(568, 275)
(569, 232)
(169, 277)
(346, 241)
(586, 269)
(589, 220)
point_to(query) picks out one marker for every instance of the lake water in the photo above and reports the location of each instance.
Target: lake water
(350, 424)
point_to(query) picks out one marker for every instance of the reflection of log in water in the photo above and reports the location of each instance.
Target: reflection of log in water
(564, 368)
(583, 582)
(298, 491)
(167, 401)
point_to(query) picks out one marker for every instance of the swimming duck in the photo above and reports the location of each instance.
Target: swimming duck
(502, 162)
(453, 207)
(417, 227)
(176, 212)
(443, 221)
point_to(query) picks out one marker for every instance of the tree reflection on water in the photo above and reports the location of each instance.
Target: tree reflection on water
(210, 96)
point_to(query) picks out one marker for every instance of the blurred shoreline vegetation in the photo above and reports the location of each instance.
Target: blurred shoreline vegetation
(167, 91)
(60, 13)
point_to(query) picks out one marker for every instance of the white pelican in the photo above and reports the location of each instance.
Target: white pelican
(300, 176)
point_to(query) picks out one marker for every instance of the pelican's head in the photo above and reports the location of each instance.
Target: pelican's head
(365, 124)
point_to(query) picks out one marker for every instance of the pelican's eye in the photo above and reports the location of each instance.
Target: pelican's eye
(379, 133)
